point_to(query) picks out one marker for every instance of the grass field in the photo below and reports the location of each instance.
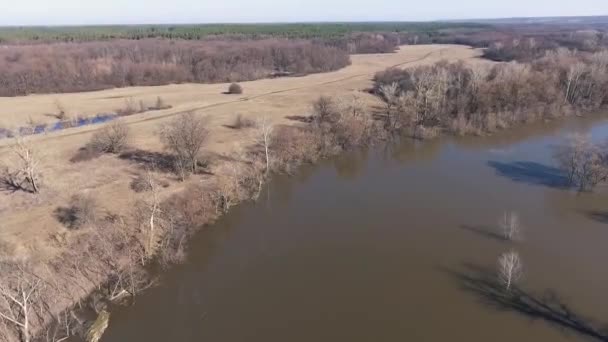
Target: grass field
(28, 220)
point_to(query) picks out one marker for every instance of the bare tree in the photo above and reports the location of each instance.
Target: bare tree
(510, 226)
(264, 138)
(351, 104)
(510, 269)
(390, 95)
(583, 161)
(19, 290)
(153, 203)
(324, 110)
(575, 73)
(184, 137)
(569, 153)
(61, 328)
(24, 173)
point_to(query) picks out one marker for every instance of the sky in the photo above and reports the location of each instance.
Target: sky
(81, 12)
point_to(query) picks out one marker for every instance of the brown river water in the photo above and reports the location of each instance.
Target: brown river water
(396, 243)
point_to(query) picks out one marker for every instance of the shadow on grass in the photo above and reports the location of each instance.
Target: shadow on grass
(300, 118)
(548, 306)
(531, 173)
(148, 160)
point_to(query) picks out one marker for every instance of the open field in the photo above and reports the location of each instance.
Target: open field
(28, 221)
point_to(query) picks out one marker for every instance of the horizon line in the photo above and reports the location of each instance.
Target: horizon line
(461, 20)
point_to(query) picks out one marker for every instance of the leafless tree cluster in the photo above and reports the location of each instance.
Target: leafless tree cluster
(20, 306)
(63, 67)
(335, 125)
(474, 99)
(184, 138)
(585, 163)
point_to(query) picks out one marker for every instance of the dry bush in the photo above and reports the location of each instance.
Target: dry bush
(113, 138)
(130, 108)
(141, 183)
(181, 216)
(82, 211)
(61, 111)
(160, 104)
(235, 88)
(184, 137)
(242, 122)
(293, 146)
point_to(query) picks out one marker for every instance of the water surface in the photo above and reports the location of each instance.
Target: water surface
(395, 244)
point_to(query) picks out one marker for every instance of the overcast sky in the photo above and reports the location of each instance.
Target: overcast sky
(77, 12)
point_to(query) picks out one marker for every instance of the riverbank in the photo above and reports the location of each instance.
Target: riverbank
(32, 230)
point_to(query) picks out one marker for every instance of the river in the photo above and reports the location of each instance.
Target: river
(395, 243)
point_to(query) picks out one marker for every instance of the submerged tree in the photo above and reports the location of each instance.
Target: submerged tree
(510, 226)
(510, 269)
(583, 162)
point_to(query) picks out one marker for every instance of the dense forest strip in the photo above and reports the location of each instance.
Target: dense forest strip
(210, 31)
(101, 65)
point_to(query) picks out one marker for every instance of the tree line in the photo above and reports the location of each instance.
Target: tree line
(478, 98)
(100, 65)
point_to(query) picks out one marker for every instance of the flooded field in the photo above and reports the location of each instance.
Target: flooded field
(396, 243)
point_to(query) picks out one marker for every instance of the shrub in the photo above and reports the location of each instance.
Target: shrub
(130, 108)
(113, 138)
(160, 104)
(141, 183)
(235, 88)
(242, 122)
(82, 210)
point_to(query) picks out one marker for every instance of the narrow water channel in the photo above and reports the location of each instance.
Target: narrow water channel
(395, 244)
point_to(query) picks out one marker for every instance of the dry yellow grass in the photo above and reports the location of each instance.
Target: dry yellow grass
(28, 222)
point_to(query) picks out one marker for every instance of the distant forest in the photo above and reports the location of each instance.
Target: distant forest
(68, 59)
(209, 31)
